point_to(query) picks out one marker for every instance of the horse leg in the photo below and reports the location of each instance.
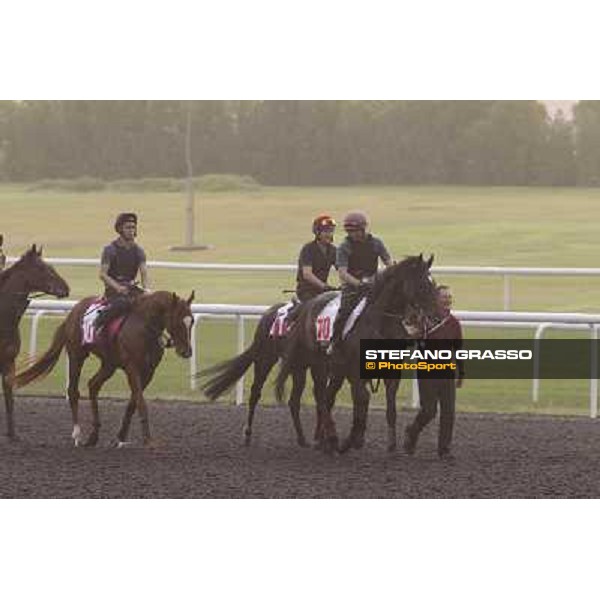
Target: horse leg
(360, 407)
(7, 388)
(325, 432)
(137, 396)
(125, 423)
(75, 364)
(391, 389)
(94, 385)
(298, 384)
(262, 368)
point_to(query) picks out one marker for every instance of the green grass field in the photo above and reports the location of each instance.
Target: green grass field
(462, 226)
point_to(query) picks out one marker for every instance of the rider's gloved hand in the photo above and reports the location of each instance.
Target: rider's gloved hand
(364, 286)
(328, 288)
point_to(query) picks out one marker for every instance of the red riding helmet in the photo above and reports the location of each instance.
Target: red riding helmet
(321, 223)
(125, 218)
(355, 221)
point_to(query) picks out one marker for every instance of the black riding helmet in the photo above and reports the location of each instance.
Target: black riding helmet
(125, 218)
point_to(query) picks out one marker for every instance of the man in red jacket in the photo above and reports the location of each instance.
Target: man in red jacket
(433, 389)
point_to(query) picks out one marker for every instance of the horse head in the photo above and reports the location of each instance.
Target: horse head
(407, 286)
(32, 274)
(179, 321)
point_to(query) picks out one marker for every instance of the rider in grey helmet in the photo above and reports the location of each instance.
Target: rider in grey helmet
(357, 261)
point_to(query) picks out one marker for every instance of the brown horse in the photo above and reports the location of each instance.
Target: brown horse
(28, 275)
(137, 349)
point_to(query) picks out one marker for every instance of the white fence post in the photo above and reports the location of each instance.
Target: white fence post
(535, 392)
(33, 333)
(194, 359)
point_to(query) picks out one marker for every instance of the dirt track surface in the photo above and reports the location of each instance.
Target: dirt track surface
(203, 456)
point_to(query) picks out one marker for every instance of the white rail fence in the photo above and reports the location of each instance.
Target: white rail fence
(504, 272)
(540, 322)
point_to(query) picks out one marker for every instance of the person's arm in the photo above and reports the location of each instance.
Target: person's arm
(384, 255)
(306, 270)
(345, 277)
(144, 277)
(105, 277)
(308, 275)
(143, 270)
(109, 281)
(458, 346)
(342, 262)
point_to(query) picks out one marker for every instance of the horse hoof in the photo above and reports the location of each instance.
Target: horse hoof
(346, 445)
(117, 443)
(330, 445)
(392, 447)
(91, 441)
(13, 438)
(302, 442)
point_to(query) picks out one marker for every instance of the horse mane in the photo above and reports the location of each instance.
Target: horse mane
(6, 273)
(145, 304)
(393, 272)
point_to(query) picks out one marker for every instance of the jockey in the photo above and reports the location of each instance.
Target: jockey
(357, 261)
(121, 261)
(316, 259)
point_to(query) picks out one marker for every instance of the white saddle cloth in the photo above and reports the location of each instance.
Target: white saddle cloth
(326, 319)
(280, 326)
(88, 330)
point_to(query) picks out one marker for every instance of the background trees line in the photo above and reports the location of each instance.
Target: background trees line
(305, 142)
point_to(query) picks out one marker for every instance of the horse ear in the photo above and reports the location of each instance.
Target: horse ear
(421, 256)
(39, 252)
(173, 298)
(1, 240)
(191, 298)
(430, 262)
(33, 249)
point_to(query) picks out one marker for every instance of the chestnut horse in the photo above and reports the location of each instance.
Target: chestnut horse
(136, 349)
(28, 275)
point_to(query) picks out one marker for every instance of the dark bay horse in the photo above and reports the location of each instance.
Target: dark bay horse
(30, 274)
(400, 291)
(264, 352)
(137, 349)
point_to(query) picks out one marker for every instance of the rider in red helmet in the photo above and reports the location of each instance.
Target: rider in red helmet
(316, 259)
(357, 261)
(121, 262)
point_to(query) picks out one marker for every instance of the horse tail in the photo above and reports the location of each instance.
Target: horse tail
(42, 366)
(224, 375)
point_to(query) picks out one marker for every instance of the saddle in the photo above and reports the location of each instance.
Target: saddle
(90, 336)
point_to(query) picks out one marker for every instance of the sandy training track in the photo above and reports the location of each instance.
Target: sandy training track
(202, 455)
